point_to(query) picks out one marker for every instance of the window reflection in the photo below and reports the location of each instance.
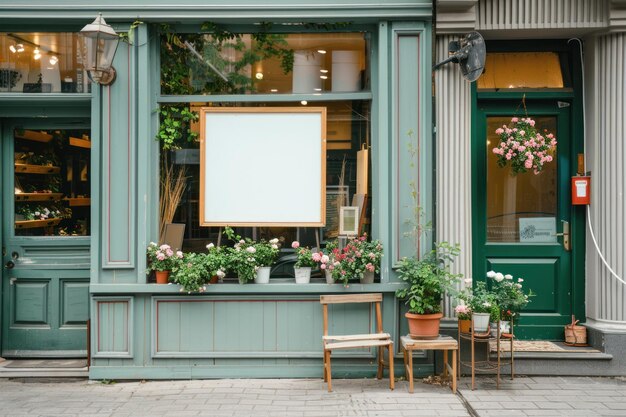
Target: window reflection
(311, 63)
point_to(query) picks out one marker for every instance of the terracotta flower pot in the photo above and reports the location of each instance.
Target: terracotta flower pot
(465, 326)
(214, 279)
(162, 277)
(424, 326)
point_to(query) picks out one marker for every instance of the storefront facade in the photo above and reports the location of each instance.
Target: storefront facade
(89, 263)
(57, 276)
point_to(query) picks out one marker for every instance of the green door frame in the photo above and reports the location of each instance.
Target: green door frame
(572, 96)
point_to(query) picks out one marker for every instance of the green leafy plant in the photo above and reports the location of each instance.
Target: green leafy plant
(479, 298)
(216, 260)
(267, 252)
(428, 278)
(192, 272)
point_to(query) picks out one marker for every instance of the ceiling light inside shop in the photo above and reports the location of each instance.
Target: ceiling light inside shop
(321, 51)
(53, 60)
(304, 102)
(259, 75)
(36, 53)
(273, 90)
(324, 71)
(20, 47)
(12, 48)
(317, 89)
(324, 77)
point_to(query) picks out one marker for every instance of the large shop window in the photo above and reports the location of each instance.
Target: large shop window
(262, 63)
(39, 62)
(348, 124)
(330, 70)
(52, 177)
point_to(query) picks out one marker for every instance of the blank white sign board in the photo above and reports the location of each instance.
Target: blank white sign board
(263, 166)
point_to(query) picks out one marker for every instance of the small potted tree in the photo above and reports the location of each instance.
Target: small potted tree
(428, 279)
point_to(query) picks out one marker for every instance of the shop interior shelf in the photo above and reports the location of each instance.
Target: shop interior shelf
(38, 196)
(36, 169)
(32, 224)
(81, 143)
(34, 136)
(79, 201)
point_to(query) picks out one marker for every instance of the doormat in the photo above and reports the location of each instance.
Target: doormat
(540, 346)
(45, 363)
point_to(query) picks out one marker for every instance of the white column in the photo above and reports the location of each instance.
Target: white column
(605, 89)
(453, 163)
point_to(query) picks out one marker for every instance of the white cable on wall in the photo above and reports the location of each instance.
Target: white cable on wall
(593, 237)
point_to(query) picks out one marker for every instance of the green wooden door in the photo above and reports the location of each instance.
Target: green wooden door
(45, 274)
(517, 217)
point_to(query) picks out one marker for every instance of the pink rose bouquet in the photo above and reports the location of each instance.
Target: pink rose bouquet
(523, 147)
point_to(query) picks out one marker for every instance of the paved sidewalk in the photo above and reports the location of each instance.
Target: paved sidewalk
(546, 396)
(525, 396)
(234, 397)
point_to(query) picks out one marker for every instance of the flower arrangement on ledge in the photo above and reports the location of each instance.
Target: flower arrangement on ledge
(523, 147)
(162, 258)
(358, 259)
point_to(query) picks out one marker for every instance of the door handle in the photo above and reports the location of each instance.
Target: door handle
(9, 265)
(566, 240)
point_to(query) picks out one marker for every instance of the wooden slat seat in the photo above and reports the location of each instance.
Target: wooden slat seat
(367, 336)
(378, 340)
(354, 344)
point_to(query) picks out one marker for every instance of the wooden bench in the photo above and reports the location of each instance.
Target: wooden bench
(379, 340)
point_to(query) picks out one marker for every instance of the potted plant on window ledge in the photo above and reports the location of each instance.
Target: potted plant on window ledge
(428, 279)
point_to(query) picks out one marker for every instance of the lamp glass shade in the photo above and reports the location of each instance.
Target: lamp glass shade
(99, 45)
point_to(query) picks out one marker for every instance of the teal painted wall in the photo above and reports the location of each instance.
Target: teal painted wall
(142, 330)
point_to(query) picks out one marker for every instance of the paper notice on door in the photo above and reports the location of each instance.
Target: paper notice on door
(537, 230)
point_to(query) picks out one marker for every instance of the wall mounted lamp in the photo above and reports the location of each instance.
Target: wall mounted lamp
(99, 46)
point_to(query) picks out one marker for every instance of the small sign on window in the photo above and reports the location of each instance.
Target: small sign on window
(537, 230)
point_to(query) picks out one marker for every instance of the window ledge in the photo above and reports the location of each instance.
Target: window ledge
(279, 287)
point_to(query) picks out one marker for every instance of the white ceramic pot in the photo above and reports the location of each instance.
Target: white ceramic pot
(493, 328)
(303, 275)
(368, 277)
(505, 327)
(481, 322)
(329, 277)
(262, 275)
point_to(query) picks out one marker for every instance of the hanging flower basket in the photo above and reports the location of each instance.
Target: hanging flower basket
(523, 147)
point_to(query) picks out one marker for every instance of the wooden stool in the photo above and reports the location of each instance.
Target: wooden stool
(444, 343)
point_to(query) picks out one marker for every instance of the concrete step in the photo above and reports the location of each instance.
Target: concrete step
(56, 368)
